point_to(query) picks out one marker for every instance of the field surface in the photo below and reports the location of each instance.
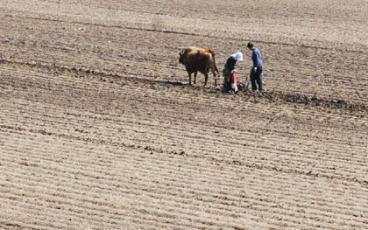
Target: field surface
(100, 130)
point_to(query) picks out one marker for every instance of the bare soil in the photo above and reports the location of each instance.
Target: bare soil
(99, 129)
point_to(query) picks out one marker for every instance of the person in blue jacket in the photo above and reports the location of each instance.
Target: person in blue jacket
(256, 71)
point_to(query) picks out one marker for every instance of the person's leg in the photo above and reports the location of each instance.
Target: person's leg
(259, 79)
(224, 73)
(226, 79)
(253, 80)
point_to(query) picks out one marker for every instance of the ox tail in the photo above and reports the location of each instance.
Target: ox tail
(215, 71)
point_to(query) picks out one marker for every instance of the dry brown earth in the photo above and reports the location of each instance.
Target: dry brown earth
(99, 130)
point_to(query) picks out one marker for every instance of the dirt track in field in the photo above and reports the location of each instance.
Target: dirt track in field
(99, 129)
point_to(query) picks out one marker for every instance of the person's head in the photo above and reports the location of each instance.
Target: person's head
(238, 56)
(250, 45)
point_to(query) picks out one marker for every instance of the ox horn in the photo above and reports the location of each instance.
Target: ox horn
(182, 50)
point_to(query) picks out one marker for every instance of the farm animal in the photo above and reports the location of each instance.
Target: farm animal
(198, 59)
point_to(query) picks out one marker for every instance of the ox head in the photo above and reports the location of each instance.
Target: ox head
(181, 56)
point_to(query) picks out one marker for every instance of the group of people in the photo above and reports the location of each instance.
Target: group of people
(231, 82)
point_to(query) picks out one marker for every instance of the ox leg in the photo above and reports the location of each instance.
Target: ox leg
(195, 77)
(190, 78)
(205, 79)
(215, 76)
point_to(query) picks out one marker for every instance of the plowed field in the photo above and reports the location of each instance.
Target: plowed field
(100, 130)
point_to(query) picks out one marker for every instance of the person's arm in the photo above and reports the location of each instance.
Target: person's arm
(254, 59)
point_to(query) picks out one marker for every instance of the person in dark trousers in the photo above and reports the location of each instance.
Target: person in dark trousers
(256, 71)
(230, 76)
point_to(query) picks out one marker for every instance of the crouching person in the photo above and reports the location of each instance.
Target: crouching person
(230, 73)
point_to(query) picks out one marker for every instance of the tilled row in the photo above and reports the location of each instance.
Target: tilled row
(98, 47)
(98, 130)
(27, 81)
(210, 146)
(123, 79)
(231, 200)
(139, 133)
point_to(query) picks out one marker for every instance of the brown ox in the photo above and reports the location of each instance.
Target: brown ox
(197, 59)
